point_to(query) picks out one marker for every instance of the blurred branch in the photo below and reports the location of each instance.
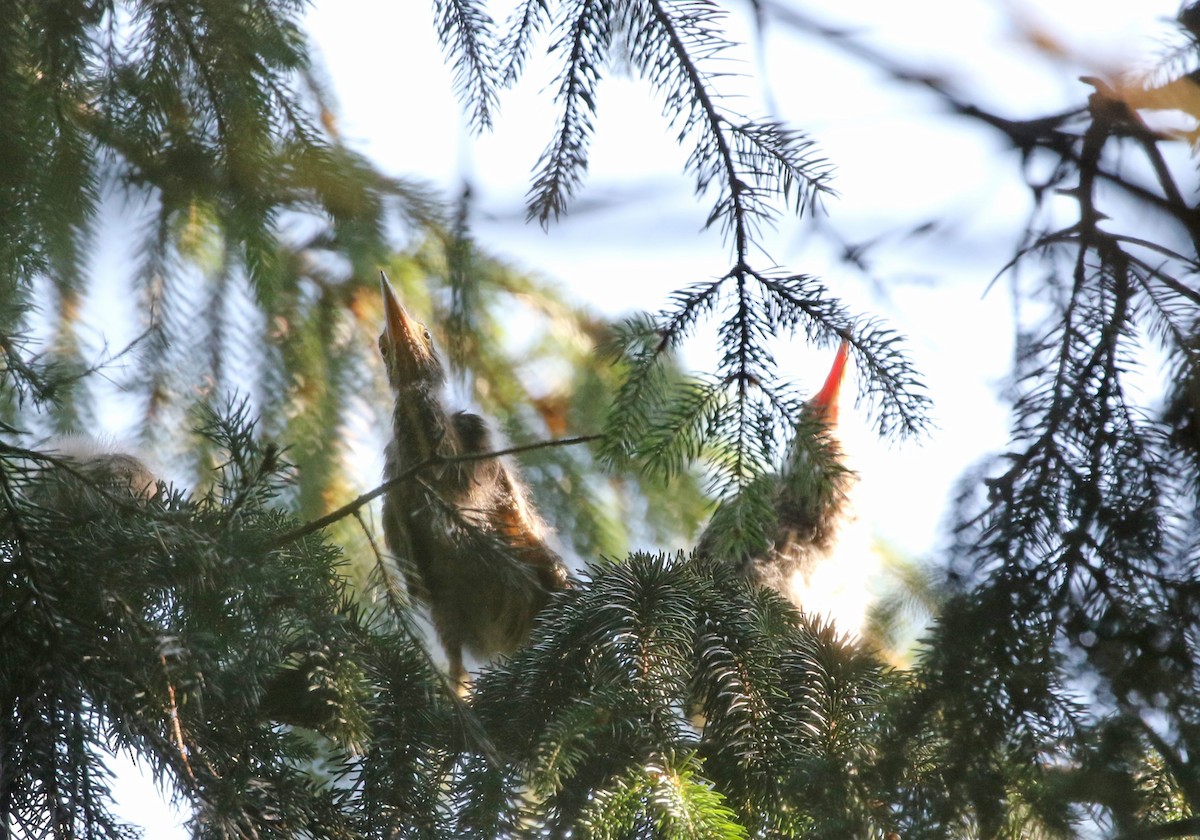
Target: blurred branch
(1111, 114)
(1189, 827)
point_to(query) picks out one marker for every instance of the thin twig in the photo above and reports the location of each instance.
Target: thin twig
(176, 729)
(370, 496)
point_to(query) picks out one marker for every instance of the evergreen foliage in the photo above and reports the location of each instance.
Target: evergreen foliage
(133, 623)
(272, 674)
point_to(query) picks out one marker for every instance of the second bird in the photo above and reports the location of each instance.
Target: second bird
(810, 497)
(466, 539)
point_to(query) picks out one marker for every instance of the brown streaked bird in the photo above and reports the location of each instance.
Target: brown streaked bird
(88, 475)
(470, 546)
(810, 496)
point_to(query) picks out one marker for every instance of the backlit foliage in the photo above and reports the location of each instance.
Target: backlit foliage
(273, 675)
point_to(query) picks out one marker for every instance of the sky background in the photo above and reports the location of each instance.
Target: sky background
(635, 232)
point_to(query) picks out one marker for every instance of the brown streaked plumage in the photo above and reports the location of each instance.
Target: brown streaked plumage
(810, 496)
(469, 544)
(88, 475)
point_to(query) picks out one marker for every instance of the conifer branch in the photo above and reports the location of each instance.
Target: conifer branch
(465, 31)
(560, 169)
(701, 110)
(523, 25)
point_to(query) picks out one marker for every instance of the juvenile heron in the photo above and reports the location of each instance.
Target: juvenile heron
(810, 495)
(470, 546)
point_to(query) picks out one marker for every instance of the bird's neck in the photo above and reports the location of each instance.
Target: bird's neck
(814, 488)
(422, 426)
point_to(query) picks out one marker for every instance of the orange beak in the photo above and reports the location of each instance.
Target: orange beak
(825, 403)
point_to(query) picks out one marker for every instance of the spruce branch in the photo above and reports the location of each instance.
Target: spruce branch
(181, 746)
(661, 50)
(662, 659)
(465, 31)
(690, 412)
(559, 171)
(523, 25)
(739, 414)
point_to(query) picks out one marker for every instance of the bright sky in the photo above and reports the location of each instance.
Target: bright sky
(636, 232)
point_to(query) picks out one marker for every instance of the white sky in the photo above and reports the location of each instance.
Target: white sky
(899, 162)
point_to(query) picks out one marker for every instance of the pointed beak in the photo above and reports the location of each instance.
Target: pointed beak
(404, 341)
(825, 403)
(398, 327)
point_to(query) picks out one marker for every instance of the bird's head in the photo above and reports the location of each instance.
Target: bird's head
(823, 406)
(406, 345)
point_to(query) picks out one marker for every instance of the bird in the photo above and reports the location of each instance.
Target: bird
(810, 497)
(468, 542)
(85, 475)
